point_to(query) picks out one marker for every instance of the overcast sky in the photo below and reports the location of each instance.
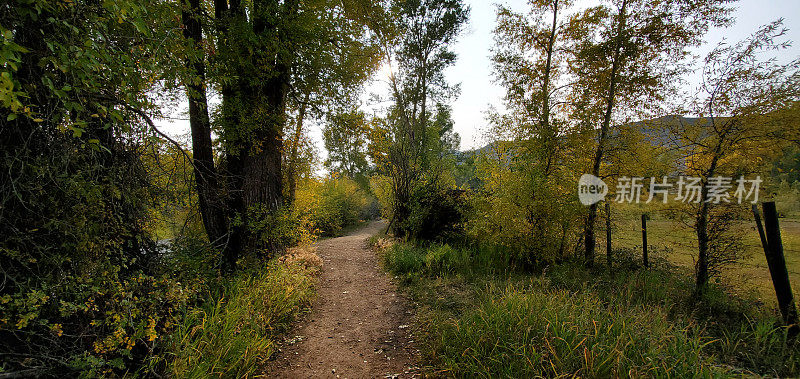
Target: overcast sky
(473, 69)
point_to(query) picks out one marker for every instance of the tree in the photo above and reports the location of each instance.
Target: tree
(207, 178)
(628, 57)
(419, 46)
(263, 50)
(74, 192)
(530, 54)
(345, 137)
(747, 108)
(326, 77)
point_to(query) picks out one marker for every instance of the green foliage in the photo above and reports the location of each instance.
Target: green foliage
(82, 287)
(234, 333)
(435, 213)
(278, 228)
(441, 260)
(345, 139)
(514, 207)
(334, 204)
(413, 145)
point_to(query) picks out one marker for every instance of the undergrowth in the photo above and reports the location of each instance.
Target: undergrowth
(480, 316)
(234, 332)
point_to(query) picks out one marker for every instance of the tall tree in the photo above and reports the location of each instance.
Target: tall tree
(327, 76)
(530, 53)
(261, 53)
(419, 47)
(627, 60)
(207, 180)
(747, 108)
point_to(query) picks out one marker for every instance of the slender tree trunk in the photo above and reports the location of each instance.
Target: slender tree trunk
(546, 132)
(547, 69)
(293, 158)
(206, 177)
(701, 228)
(589, 242)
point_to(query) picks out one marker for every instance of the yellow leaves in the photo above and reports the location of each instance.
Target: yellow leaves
(150, 332)
(56, 329)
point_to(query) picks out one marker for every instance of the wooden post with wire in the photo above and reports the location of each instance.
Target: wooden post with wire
(608, 234)
(777, 267)
(645, 259)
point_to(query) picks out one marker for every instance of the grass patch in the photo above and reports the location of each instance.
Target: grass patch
(484, 321)
(553, 332)
(234, 333)
(408, 261)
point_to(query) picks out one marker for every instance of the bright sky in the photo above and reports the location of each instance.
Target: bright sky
(473, 69)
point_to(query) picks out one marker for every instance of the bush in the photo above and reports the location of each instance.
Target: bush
(335, 204)
(436, 214)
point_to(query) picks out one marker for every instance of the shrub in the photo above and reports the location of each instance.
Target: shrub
(435, 214)
(334, 204)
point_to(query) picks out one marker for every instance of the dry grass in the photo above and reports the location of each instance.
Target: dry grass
(305, 256)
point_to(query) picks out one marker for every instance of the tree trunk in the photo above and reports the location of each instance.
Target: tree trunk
(589, 245)
(701, 226)
(206, 177)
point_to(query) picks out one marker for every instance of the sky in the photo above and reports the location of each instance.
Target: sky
(473, 68)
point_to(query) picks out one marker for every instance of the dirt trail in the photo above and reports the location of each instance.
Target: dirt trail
(358, 327)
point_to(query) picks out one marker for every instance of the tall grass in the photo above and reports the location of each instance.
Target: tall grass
(409, 261)
(232, 335)
(555, 332)
(481, 317)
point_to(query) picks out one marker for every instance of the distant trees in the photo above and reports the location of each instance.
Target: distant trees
(345, 136)
(329, 74)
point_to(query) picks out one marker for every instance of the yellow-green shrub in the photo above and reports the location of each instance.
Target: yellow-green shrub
(333, 204)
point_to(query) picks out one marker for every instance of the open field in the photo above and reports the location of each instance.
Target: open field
(677, 243)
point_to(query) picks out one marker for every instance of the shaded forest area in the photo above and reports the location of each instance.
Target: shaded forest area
(126, 252)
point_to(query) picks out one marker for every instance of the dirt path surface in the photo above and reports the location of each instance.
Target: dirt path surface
(358, 327)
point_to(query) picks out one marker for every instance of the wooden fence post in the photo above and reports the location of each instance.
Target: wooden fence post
(644, 241)
(608, 234)
(760, 228)
(777, 268)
